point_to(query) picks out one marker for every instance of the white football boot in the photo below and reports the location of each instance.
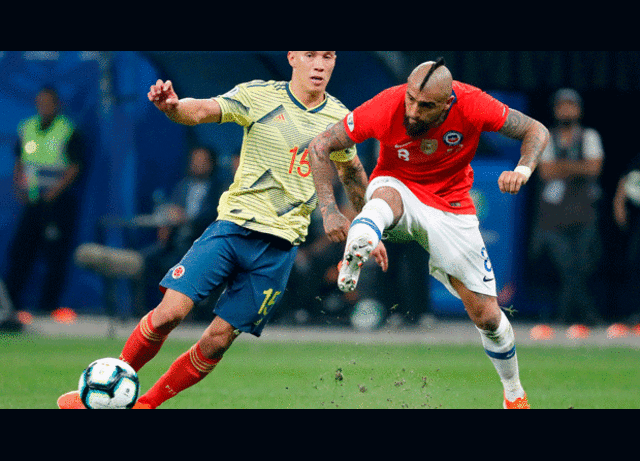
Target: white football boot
(357, 253)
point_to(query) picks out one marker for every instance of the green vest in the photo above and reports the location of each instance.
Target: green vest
(44, 153)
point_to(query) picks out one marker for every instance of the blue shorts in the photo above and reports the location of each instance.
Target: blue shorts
(255, 266)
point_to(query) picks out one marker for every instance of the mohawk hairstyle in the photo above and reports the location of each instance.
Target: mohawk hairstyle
(439, 63)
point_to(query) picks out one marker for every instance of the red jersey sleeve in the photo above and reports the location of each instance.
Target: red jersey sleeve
(373, 118)
(486, 111)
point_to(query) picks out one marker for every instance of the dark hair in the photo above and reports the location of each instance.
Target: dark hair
(439, 63)
(50, 90)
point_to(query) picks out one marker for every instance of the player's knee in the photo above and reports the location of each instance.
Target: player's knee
(486, 316)
(217, 339)
(173, 309)
(393, 198)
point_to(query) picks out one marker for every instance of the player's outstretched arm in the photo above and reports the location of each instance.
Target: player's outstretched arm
(535, 137)
(355, 181)
(188, 111)
(335, 139)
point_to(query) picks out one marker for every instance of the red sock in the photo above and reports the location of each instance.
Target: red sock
(190, 368)
(144, 343)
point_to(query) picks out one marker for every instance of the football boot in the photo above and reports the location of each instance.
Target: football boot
(356, 255)
(71, 401)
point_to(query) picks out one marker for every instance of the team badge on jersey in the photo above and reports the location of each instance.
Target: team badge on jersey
(453, 138)
(351, 123)
(429, 146)
(178, 272)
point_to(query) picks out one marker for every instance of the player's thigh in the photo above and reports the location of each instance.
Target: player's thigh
(402, 201)
(207, 265)
(253, 295)
(457, 249)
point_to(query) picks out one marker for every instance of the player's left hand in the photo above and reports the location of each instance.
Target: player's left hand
(381, 257)
(511, 182)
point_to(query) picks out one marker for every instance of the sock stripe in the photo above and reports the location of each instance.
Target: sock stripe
(199, 362)
(147, 330)
(505, 356)
(370, 223)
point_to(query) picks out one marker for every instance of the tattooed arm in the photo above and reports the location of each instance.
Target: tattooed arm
(351, 174)
(355, 181)
(534, 137)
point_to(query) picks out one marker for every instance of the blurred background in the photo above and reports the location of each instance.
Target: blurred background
(134, 159)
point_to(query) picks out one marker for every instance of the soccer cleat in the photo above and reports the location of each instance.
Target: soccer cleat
(71, 401)
(142, 406)
(356, 254)
(520, 404)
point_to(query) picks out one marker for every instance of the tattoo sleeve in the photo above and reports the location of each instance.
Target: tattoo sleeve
(355, 181)
(533, 134)
(334, 140)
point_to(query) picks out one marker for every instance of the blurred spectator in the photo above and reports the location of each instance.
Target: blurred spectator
(191, 208)
(49, 162)
(566, 231)
(626, 208)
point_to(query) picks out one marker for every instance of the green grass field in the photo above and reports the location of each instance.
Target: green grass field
(34, 371)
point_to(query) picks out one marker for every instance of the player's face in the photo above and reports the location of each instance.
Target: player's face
(47, 105)
(201, 165)
(313, 69)
(423, 111)
(568, 113)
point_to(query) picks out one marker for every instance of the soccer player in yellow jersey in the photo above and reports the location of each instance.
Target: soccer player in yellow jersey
(263, 218)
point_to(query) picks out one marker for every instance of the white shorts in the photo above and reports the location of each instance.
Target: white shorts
(454, 242)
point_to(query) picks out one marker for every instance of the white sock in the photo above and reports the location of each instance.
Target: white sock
(375, 218)
(500, 346)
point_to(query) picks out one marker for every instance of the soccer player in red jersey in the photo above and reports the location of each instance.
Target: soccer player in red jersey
(429, 130)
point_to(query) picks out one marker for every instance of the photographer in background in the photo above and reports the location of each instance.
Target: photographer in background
(567, 230)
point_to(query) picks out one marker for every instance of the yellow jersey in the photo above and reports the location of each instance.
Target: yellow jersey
(273, 190)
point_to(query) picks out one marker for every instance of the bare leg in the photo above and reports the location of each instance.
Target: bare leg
(497, 337)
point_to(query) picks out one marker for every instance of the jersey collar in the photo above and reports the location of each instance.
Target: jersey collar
(297, 102)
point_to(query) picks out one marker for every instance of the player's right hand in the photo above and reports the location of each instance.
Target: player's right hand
(163, 96)
(337, 226)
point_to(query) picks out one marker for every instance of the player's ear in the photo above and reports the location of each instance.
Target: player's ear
(291, 56)
(450, 102)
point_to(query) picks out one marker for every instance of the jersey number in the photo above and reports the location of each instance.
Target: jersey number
(270, 299)
(404, 155)
(304, 169)
(487, 262)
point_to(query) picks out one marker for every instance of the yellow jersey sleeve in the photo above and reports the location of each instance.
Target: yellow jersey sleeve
(236, 106)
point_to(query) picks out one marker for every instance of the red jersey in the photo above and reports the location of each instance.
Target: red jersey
(436, 167)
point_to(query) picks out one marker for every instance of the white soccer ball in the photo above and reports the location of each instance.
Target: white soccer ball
(367, 315)
(109, 384)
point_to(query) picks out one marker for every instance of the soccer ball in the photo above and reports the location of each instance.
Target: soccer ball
(109, 384)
